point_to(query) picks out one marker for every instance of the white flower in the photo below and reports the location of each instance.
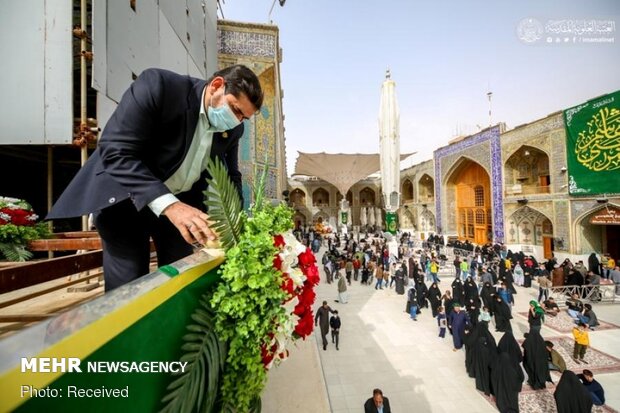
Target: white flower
(297, 276)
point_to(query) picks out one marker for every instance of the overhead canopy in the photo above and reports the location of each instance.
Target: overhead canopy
(342, 170)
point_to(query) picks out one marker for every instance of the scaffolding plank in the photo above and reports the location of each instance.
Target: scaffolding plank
(14, 278)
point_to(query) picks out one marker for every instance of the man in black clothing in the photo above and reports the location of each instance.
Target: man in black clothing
(594, 387)
(575, 306)
(376, 402)
(334, 323)
(322, 316)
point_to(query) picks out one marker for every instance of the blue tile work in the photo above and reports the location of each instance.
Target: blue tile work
(493, 136)
(244, 43)
(245, 143)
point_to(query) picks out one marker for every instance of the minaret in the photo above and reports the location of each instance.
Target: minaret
(389, 118)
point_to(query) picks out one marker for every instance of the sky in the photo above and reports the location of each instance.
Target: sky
(444, 55)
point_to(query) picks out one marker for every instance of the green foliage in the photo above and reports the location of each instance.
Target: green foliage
(14, 238)
(224, 204)
(196, 389)
(249, 303)
(259, 188)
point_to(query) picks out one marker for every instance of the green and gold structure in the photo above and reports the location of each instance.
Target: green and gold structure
(143, 321)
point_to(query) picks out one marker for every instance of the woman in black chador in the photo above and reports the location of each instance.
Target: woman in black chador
(473, 309)
(506, 384)
(458, 292)
(486, 293)
(484, 355)
(571, 396)
(508, 344)
(502, 314)
(434, 297)
(471, 289)
(535, 360)
(421, 291)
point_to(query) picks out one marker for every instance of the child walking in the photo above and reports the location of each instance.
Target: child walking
(582, 341)
(442, 322)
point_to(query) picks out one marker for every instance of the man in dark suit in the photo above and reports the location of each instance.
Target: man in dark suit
(377, 403)
(147, 176)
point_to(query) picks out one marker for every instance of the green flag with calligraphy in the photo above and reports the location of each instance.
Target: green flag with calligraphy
(593, 146)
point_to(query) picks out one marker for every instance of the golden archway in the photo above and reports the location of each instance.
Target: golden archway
(472, 188)
(407, 191)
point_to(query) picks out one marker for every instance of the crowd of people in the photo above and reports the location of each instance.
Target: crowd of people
(481, 291)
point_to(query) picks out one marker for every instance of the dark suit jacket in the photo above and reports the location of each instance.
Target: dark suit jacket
(143, 144)
(369, 406)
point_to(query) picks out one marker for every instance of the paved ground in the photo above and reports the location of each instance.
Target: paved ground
(382, 347)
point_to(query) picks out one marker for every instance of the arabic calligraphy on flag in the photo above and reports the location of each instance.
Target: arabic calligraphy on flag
(593, 146)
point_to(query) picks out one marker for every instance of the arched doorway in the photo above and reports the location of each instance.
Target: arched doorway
(349, 198)
(406, 219)
(299, 220)
(407, 191)
(599, 231)
(527, 226)
(426, 189)
(471, 188)
(427, 221)
(527, 172)
(298, 198)
(367, 197)
(320, 198)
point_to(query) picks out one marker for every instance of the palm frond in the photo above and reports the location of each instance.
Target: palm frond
(259, 187)
(196, 388)
(224, 204)
(14, 252)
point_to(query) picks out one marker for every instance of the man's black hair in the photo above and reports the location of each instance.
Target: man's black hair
(240, 79)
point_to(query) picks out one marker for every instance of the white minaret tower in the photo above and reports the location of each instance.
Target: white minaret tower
(389, 118)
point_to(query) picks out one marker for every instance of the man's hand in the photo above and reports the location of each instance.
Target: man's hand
(191, 222)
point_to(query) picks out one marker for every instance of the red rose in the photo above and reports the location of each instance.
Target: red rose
(306, 258)
(277, 262)
(278, 241)
(288, 285)
(19, 216)
(305, 326)
(266, 356)
(307, 296)
(312, 274)
(300, 309)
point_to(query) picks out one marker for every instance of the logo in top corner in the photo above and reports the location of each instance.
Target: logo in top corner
(529, 30)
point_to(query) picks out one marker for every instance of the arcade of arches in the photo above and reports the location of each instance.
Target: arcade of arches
(600, 231)
(320, 197)
(472, 191)
(426, 189)
(530, 227)
(407, 191)
(527, 172)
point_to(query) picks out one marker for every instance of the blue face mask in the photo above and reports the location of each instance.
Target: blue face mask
(222, 118)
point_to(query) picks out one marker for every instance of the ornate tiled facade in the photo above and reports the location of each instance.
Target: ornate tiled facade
(533, 213)
(257, 46)
(483, 148)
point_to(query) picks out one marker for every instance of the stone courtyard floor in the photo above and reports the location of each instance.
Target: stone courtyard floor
(380, 346)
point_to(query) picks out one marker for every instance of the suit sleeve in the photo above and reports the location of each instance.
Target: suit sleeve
(127, 139)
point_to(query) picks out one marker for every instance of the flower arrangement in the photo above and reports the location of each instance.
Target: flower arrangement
(18, 226)
(300, 274)
(262, 304)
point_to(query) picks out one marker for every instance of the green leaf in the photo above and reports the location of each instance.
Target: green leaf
(224, 204)
(259, 188)
(15, 252)
(197, 387)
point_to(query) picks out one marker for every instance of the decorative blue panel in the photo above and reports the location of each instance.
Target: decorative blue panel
(493, 136)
